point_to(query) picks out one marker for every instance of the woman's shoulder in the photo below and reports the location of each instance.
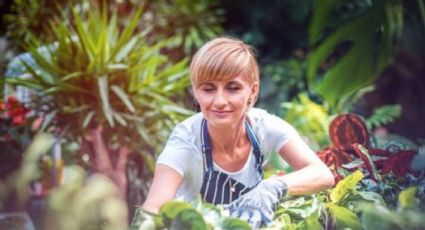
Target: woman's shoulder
(262, 119)
(258, 115)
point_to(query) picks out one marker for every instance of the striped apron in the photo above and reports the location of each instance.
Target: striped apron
(218, 187)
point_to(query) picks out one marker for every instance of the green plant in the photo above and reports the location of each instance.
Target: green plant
(108, 89)
(350, 205)
(190, 23)
(383, 115)
(358, 48)
(281, 82)
(29, 16)
(310, 119)
(69, 205)
(19, 180)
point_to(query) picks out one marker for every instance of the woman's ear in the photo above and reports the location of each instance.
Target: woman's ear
(254, 90)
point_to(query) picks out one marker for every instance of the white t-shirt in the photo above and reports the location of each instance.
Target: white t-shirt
(183, 150)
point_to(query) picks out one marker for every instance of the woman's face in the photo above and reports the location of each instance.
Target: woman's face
(224, 103)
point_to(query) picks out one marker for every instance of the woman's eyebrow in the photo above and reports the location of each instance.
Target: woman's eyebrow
(231, 82)
(206, 84)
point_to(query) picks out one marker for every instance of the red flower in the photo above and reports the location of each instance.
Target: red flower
(15, 111)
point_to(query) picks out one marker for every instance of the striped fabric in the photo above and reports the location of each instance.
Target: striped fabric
(218, 187)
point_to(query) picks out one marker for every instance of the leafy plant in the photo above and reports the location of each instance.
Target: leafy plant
(18, 126)
(190, 23)
(69, 205)
(107, 88)
(197, 215)
(281, 82)
(19, 180)
(358, 48)
(347, 206)
(29, 16)
(383, 115)
(309, 118)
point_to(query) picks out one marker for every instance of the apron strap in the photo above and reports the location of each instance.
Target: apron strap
(255, 144)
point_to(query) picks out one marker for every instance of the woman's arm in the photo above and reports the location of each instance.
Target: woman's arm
(310, 173)
(164, 186)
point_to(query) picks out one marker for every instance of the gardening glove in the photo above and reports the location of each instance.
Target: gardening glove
(258, 205)
(142, 220)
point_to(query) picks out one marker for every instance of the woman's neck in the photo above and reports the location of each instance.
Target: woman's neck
(228, 140)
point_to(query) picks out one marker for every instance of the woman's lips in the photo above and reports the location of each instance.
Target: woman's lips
(220, 113)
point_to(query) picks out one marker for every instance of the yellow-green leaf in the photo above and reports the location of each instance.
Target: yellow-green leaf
(345, 186)
(344, 218)
(406, 198)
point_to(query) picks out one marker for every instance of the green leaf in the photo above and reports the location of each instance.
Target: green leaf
(366, 56)
(88, 118)
(383, 115)
(47, 120)
(171, 209)
(311, 222)
(188, 219)
(104, 95)
(378, 217)
(344, 217)
(83, 36)
(126, 49)
(126, 35)
(406, 198)
(321, 12)
(234, 224)
(124, 97)
(177, 109)
(345, 186)
(372, 196)
(119, 118)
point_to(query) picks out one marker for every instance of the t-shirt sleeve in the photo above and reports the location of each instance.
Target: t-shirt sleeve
(178, 151)
(277, 132)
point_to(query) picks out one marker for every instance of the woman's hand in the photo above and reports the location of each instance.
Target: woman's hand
(258, 205)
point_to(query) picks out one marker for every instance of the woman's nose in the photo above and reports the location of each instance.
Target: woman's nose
(220, 99)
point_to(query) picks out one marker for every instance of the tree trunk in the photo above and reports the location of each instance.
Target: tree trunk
(111, 163)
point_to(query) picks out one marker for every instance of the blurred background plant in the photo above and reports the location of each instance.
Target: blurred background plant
(18, 126)
(189, 23)
(104, 87)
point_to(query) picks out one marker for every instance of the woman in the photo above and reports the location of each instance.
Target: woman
(219, 153)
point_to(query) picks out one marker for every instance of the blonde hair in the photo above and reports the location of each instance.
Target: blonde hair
(223, 58)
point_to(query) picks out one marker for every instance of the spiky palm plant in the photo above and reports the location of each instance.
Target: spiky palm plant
(107, 88)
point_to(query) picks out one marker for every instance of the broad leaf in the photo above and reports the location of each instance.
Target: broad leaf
(366, 56)
(169, 211)
(377, 217)
(344, 218)
(345, 186)
(188, 219)
(234, 224)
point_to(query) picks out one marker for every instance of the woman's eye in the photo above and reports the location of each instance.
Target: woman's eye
(233, 88)
(208, 89)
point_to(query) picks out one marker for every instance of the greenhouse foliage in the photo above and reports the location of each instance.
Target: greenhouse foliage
(107, 73)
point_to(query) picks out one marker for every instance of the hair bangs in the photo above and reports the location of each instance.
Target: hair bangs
(222, 67)
(221, 60)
